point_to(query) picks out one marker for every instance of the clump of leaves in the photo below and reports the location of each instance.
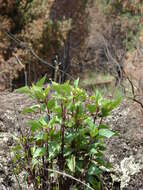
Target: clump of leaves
(65, 144)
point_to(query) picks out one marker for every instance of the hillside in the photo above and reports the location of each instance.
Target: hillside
(101, 42)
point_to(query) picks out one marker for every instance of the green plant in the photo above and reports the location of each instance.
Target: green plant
(67, 138)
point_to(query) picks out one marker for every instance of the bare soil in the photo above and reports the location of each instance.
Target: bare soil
(127, 119)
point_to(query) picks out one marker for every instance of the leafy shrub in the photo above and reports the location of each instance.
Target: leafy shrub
(67, 139)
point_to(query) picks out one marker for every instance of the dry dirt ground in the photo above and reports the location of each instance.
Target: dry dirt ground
(125, 151)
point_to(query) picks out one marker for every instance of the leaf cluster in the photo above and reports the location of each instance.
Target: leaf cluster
(68, 137)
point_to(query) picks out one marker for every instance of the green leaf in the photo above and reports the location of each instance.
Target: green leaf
(31, 109)
(94, 170)
(92, 108)
(39, 152)
(76, 82)
(58, 110)
(79, 165)
(33, 149)
(115, 103)
(95, 182)
(98, 146)
(34, 162)
(38, 92)
(44, 120)
(41, 136)
(51, 104)
(108, 106)
(68, 152)
(100, 160)
(66, 88)
(71, 163)
(62, 89)
(106, 133)
(70, 122)
(17, 148)
(93, 129)
(41, 81)
(71, 137)
(35, 125)
(54, 149)
(15, 137)
(79, 95)
(38, 181)
(101, 126)
(93, 151)
(82, 132)
(46, 91)
(25, 90)
(98, 97)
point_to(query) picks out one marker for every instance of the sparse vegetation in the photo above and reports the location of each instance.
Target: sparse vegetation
(130, 15)
(61, 139)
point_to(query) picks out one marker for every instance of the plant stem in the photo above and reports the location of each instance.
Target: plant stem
(61, 161)
(62, 137)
